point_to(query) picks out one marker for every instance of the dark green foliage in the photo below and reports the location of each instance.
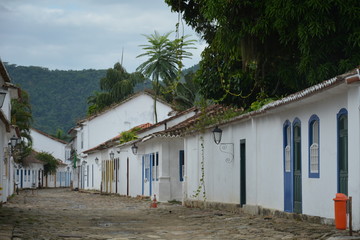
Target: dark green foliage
(186, 94)
(21, 116)
(50, 163)
(117, 85)
(58, 98)
(271, 46)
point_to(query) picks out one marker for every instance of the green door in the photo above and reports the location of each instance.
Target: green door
(242, 172)
(343, 152)
(297, 168)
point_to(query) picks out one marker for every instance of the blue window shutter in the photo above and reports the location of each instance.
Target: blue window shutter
(181, 164)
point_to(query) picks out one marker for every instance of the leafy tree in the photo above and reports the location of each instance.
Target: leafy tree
(51, 164)
(271, 46)
(57, 97)
(164, 60)
(187, 93)
(21, 116)
(116, 86)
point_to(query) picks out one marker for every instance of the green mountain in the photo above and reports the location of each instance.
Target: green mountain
(58, 98)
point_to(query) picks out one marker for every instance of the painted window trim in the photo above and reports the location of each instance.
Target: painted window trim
(312, 119)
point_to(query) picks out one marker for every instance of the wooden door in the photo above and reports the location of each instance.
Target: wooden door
(297, 169)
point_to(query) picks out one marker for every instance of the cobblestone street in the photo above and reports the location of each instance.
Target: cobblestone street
(65, 214)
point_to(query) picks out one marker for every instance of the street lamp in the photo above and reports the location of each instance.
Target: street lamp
(134, 149)
(217, 132)
(13, 141)
(111, 155)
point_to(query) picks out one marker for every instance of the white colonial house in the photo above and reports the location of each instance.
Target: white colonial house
(7, 165)
(43, 142)
(292, 155)
(99, 128)
(154, 169)
(31, 173)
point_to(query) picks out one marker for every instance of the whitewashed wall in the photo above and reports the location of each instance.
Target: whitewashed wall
(135, 171)
(132, 113)
(43, 143)
(264, 156)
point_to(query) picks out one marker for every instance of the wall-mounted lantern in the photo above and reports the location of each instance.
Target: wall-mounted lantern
(96, 160)
(134, 149)
(112, 154)
(217, 132)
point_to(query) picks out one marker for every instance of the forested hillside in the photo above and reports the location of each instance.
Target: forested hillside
(58, 98)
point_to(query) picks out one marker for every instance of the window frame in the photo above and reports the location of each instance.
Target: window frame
(314, 118)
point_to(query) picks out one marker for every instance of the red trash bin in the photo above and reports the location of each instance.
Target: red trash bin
(340, 211)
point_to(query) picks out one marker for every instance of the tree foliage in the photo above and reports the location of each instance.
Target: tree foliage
(57, 97)
(21, 116)
(115, 86)
(164, 62)
(50, 163)
(128, 136)
(271, 46)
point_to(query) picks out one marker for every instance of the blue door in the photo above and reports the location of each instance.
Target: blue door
(288, 174)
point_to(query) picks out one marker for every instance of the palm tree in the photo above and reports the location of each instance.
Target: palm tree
(164, 59)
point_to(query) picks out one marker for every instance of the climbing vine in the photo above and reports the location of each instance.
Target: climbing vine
(201, 187)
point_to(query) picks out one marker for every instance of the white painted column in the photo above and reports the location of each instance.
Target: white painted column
(354, 151)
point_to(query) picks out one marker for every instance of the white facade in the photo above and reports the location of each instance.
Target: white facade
(43, 142)
(129, 173)
(95, 130)
(136, 110)
(60, 150)
(7, 184)
(268, 179)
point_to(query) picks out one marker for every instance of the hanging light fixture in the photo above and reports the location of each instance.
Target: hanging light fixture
(111, 155)
(134, 149)
(13, 141)
(217, 132)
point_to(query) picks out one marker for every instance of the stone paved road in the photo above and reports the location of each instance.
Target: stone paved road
(64, 214)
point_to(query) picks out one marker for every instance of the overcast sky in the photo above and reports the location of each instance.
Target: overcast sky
(83, 34)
